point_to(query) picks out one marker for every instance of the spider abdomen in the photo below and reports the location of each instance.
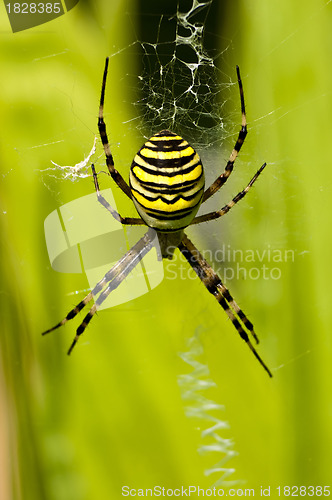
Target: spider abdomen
(167, 182)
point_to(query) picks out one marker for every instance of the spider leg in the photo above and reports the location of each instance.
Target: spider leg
(220, 181)
(124, 220)
(99, 286)
(132, 258)
(214, 285)
(235, 200)
(122, 264)
(116, 176)
(216, 281)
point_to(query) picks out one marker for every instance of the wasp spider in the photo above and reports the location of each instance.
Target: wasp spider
(166, 184)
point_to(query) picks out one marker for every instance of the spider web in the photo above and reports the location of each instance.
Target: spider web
(206, 413)
(179, 86)
(180, 82)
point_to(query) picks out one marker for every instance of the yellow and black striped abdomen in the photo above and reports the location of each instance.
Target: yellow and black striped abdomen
(167, 182)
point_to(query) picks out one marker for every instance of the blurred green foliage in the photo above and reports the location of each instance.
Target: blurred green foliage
(111, 414)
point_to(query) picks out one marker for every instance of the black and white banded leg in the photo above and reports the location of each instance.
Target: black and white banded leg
(112, 279)
(132, 221)
(235, 200)
(116, 176)
(220, 181)
(215, 286)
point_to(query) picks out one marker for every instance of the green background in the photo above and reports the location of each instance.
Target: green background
(112, 413)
